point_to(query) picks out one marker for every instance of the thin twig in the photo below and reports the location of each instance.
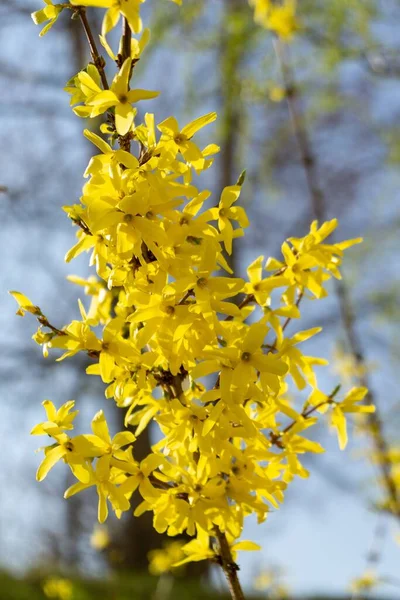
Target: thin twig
(374, 419)
(300, 131)
(185, 297)
(374, 555)
(98, 60)
(46, 323)
(288, 320)
(126, 41)
(125, 140)
(247, 300)
(306, 413)
(347, 314)
(228, 565)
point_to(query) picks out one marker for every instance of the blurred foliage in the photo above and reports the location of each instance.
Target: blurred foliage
(124, 588)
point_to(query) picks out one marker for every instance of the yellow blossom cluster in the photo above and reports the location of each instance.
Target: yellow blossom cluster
(163, 560)
(177, 338)
(277, 16)
(58, 587)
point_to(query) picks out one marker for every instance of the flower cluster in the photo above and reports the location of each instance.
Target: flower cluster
(279, 17)
(184, 343)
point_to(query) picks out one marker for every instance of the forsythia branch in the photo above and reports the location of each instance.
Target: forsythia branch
(318, 203)
(163, 317)
(98, 60)
(229, 567)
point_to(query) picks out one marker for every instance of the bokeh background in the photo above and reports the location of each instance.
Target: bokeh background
(209, 55)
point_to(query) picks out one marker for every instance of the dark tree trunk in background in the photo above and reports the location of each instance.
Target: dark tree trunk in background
(134, 537)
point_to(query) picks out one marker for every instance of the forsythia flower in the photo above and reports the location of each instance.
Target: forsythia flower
(130, 9)
(199, 548)
(119, 97)
(163, 559)
(57, 420)
(269, 580)
(174, 140)
(49, 13)
(25, 305)
(177, 339)
(278, 17)
(100, 538)
(345, 366)
(365, 583)
(349, 405)
(58, 587)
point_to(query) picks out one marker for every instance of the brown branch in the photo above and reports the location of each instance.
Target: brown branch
(374, 419)
(306, 412)
(81, 223)
(375, 552)
(300, 131)
(125, 140)
(228, 565)
(98, 60)
(185, 297)
(45, 322)
(126, 41)
(288, 320)
(274, 346)
(247, 300)
(347, 314)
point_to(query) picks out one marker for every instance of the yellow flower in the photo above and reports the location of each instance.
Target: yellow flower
(162, 560)
(58, 587)
(100, 538)
(25, 305)
(118, 96)
(200, 548)
(174, 140)
(100, 443)
(63, 449)
(309, 263)
(261, 288)
(130, 9)
(49, 13)
(103, 477)
(277, 93)
(280, 18)
(137, 46)
(57, 420)
(349, 405)
(225, 213)
(197, 549)
(365, 583)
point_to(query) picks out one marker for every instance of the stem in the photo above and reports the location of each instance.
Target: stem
(45, 322)
(126, 41)
(288, 320)
(300, 132)
(247, 300)
(273, 347)
(228, 565)
(347, 314)
(185, 297)
(96, 56)
(374, 555)
(374, 419)
(307, 412)
(125, 141)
